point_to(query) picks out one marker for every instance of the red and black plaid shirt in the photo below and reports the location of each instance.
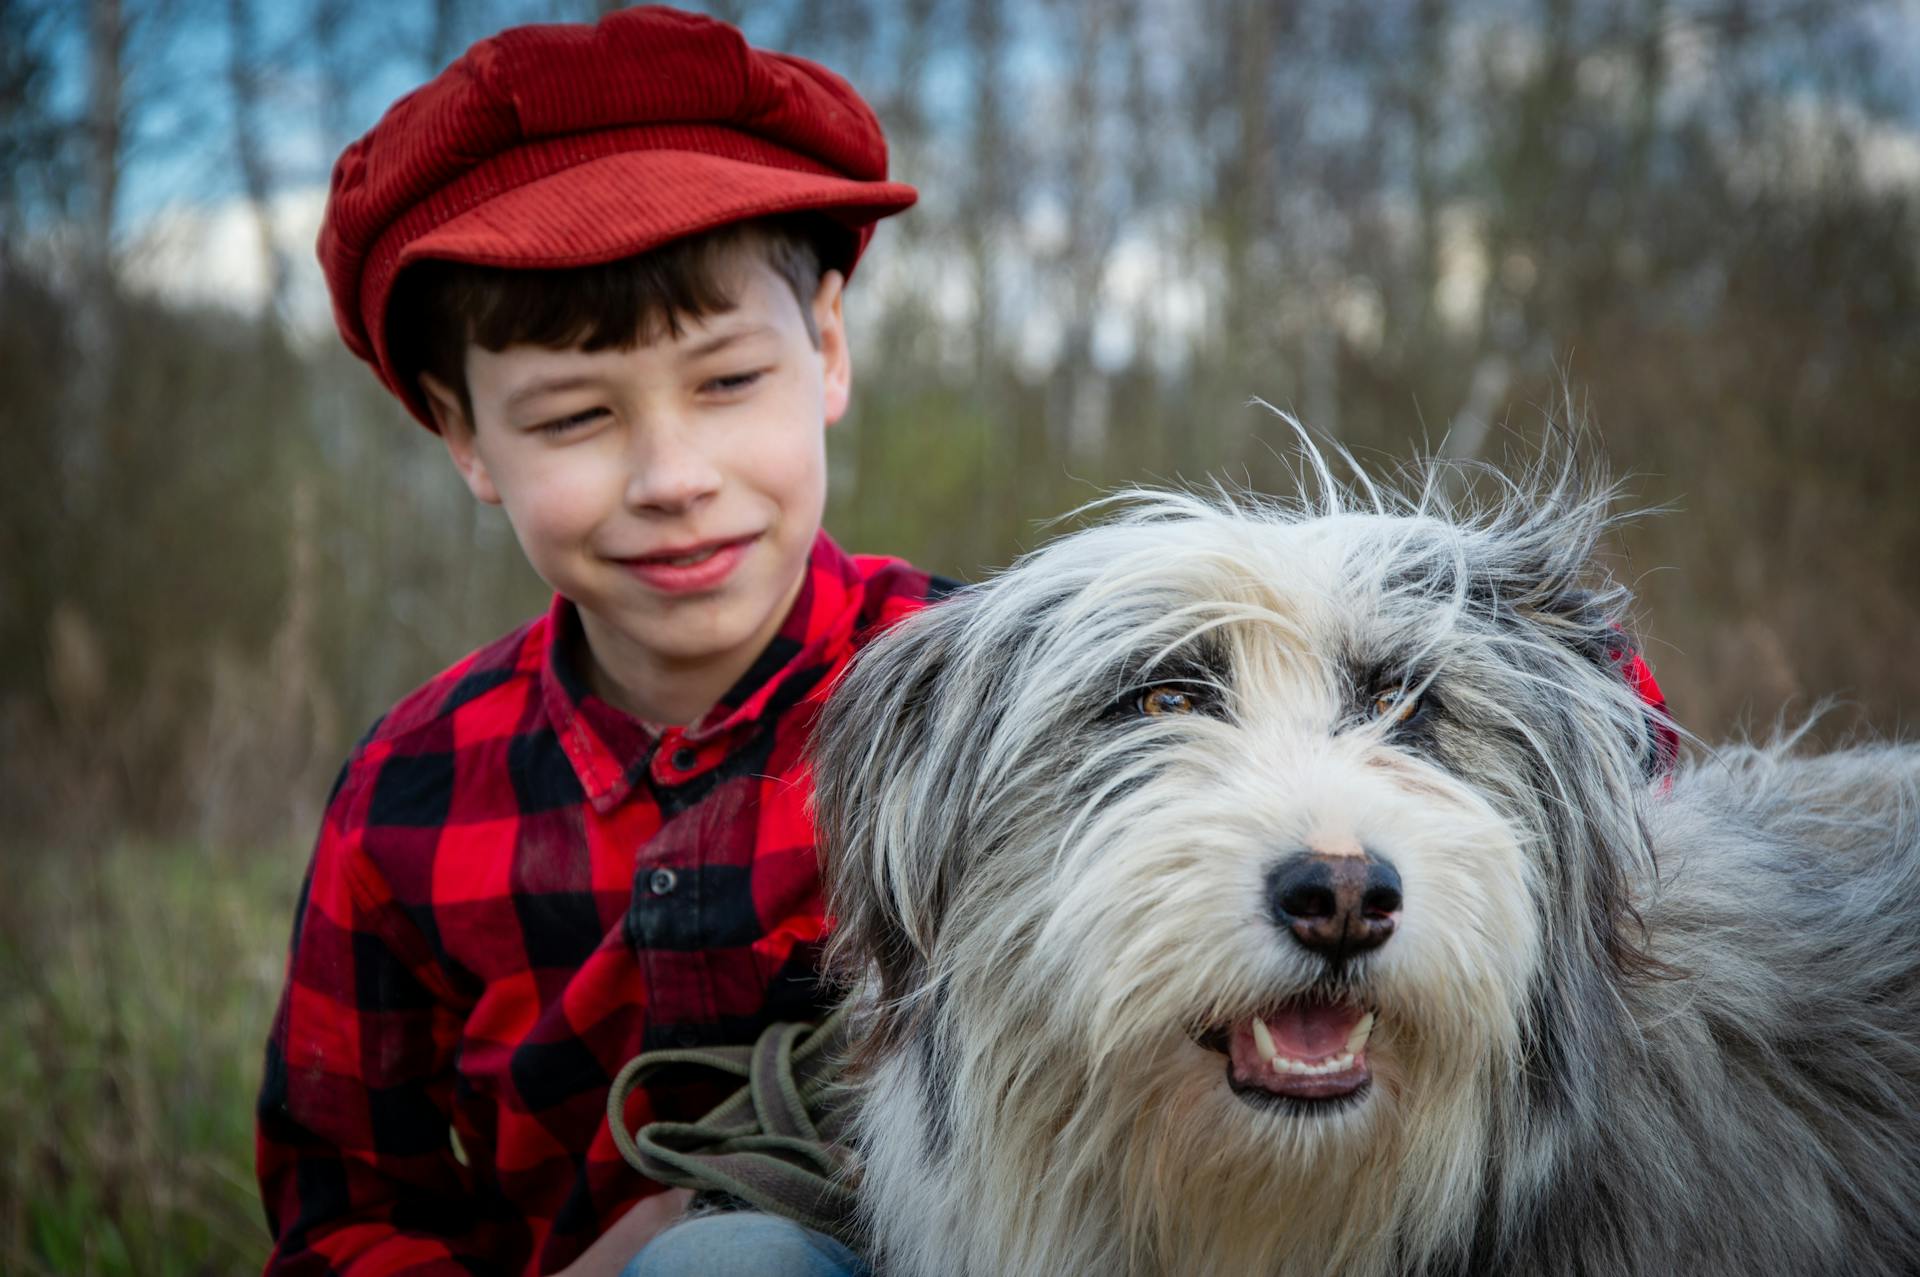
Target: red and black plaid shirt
(516, 889)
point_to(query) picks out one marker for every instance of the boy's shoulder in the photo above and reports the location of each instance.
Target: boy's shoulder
(498, 675)
(486, 693)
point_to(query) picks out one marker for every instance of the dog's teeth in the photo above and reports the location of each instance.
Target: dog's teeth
(1263, 1039)
(1338, 1064)
(1361, 1031)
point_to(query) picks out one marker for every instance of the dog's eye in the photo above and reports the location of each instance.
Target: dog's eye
(1166, 698)
(1397, 704)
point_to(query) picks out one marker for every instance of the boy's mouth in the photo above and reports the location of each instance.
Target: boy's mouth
(684, 558)
(685, 569)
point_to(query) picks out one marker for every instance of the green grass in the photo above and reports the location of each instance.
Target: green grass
(136, 987)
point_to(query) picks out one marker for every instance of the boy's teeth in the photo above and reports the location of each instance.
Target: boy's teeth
(688, 560)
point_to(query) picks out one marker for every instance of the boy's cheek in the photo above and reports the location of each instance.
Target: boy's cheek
(553, 525)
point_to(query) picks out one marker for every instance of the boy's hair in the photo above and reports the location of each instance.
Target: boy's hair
(439, 308)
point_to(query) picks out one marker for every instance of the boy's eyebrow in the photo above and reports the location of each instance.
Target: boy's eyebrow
(723, 340)
(549, 385)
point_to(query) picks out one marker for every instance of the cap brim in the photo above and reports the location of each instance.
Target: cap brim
(619, 205)
(624, 204)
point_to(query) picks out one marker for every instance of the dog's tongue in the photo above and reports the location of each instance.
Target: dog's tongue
(1313, 1030)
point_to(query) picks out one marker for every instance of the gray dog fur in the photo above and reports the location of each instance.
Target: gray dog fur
(1628, 1026)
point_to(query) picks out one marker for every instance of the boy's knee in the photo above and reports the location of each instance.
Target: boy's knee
(744, 1244)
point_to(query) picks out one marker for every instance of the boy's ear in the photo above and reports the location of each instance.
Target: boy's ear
(457, 433)
(830, 322)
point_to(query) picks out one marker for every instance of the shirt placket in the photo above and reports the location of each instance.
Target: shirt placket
(669, 892)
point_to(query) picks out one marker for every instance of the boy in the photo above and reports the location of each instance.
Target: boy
(605, 265)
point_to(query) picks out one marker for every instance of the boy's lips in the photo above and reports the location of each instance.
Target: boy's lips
(692, 568)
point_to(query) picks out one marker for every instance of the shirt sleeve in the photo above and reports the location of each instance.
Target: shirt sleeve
(352, 1137)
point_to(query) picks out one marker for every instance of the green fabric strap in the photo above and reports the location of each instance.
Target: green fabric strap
(772, 1144)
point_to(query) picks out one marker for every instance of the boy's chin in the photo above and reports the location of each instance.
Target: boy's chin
(705, 631)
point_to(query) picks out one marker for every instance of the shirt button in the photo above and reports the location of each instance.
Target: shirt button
(662, 882)
(684, 759)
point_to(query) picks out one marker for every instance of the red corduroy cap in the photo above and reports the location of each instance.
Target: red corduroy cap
(569, 145)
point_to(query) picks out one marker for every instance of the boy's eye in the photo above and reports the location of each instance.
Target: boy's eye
(560, 425)
(732, 381)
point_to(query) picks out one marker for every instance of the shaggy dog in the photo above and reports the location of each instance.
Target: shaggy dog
(1240, 888)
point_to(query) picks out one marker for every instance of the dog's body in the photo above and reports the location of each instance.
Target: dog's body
(1258, 892)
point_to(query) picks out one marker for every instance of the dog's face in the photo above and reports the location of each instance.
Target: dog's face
(1244, 831)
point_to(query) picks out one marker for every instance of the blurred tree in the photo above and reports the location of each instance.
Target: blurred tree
(246, 70)
(33, 160)
(106, 76)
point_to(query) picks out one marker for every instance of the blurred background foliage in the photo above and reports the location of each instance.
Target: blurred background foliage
(1419, 224)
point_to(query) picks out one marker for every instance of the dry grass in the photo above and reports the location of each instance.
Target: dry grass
(136, 986)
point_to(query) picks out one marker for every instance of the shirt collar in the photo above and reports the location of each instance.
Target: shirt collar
(610, 749)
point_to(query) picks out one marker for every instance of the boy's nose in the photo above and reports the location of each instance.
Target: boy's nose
(668, 473)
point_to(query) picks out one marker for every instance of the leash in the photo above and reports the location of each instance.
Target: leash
(773, 1144)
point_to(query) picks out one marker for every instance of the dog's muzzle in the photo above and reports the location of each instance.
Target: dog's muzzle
(1308, 1054)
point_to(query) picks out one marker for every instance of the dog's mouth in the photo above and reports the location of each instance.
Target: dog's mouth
(1308, 1053)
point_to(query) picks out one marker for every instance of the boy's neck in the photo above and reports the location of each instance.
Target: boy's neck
(659, 689)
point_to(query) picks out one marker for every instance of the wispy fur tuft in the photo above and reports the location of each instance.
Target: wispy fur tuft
(1629, 1024)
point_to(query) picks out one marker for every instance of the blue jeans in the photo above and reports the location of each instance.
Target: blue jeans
(744, 1244)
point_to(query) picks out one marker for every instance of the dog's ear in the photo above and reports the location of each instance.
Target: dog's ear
(887, 812)
(1550, 578)
(1544, 568)
(1547, 578)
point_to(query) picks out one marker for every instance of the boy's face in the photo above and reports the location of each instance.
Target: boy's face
(671, 491)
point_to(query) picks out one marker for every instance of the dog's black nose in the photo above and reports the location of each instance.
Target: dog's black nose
(1337, 906)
